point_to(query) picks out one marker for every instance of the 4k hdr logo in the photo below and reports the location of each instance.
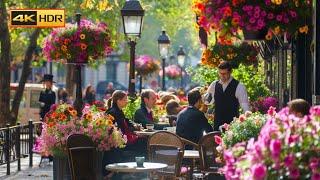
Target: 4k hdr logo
(37, 18)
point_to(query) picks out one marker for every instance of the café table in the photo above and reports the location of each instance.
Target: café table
(131, 167)
(146, 132)
(193, 155)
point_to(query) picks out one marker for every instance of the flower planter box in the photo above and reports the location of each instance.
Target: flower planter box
(61, 170)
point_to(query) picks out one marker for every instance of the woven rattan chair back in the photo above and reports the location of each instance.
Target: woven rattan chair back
(82, 157)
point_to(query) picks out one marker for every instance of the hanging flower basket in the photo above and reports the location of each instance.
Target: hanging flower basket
(172, 72)
(243, 53)
(78, 45)
(146, 65)
(229, 17)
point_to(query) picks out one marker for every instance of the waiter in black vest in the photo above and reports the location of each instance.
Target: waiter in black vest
(227, 94)
(47, 97)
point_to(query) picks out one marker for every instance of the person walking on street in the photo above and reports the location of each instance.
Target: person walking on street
(47, 97)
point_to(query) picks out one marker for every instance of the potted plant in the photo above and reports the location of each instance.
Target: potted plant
(242, 53)
(62, 121)
(254, 16)
(287, 148)
(78, 45)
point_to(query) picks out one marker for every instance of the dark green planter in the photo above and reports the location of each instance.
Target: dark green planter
(61, 170)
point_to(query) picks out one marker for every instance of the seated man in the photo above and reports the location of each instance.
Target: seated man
(299, 107)
(144, 114)
(173, 108)
(191, 122)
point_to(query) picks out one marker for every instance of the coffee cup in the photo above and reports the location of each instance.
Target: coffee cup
(150, 127)
(139, 161)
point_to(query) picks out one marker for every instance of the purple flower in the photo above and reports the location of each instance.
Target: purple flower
(279, 17)
(257, 9)
(270, 16)
(286, 20)
(259, 171)
(267, 2)
(275, 148)
(288, 160)
(315, 110)
(293, 14)
(315, 176)
(294, 173)
(252, 20)
(314, 163)
(256, 15)
(208, 10)
(263, 13)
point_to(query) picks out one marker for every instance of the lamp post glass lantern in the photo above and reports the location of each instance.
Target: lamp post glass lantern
(163, 43)
(181, 59)
(132, 19)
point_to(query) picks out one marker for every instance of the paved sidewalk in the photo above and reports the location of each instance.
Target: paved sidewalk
(45, 172)
(34, 173)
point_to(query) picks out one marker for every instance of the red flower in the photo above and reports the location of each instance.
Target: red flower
(200, 6)
(227, 11)
(217, 139)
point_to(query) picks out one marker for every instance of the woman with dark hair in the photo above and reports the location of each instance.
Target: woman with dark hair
(115, 104)
(89, 96)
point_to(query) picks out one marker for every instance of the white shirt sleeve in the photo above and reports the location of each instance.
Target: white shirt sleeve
(209, 96)
(242, 96)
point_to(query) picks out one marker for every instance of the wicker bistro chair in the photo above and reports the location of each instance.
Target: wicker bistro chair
(82, 156)
(208, 154)
(166, 147)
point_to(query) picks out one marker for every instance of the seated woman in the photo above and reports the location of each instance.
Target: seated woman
(115, 104)
(173, 108)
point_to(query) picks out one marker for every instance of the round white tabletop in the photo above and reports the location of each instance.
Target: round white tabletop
(191, 154)
(146, 132)
(131, 167)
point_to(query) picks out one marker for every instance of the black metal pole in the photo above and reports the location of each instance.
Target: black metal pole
(7, 148)
(181, 83)
(18, 147)
(132, 79)
(50, 68)
(140, 87)
(163, 74)
(78, 103)
(316, 76)
(30, 143)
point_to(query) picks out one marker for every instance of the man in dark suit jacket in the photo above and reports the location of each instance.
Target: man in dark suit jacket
(144, 114)
(191, 122)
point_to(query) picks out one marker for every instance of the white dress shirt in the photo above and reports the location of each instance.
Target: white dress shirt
(241, 93)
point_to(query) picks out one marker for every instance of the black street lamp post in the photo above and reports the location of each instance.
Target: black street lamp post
(132, 18)
(78, 103)
(181, 59)
(163, 42)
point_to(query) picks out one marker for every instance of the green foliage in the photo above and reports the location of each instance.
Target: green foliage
(250, 76)
(131, 108)
(203, 75)
(243, 129)
(253, 80)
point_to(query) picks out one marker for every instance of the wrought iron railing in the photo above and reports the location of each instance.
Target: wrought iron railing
(16, 142)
